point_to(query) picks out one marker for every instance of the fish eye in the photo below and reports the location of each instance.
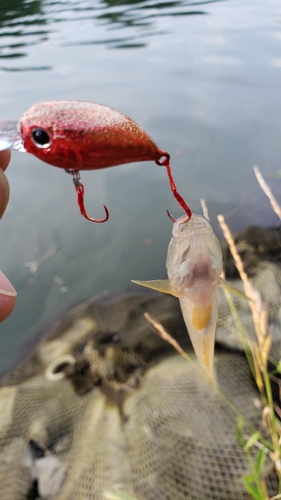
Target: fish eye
(41, 138)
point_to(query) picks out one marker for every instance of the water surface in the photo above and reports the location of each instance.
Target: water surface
(202, 78)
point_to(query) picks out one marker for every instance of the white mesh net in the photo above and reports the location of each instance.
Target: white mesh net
(124, 412)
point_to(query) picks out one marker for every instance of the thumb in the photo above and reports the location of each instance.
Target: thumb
(4, 192)
(7, 297)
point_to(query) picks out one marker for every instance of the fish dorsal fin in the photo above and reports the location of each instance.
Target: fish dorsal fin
(159, 285)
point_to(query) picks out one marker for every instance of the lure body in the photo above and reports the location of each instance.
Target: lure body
(84, 136)
(194, 266)
(80, 135)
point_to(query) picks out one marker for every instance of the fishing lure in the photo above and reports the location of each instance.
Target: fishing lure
(80, 135)
(194, 265)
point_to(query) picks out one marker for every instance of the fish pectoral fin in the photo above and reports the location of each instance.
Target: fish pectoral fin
(232, 289)
(159, 285)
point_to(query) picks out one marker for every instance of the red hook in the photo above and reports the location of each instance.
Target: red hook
(80, 197)
(166, 163)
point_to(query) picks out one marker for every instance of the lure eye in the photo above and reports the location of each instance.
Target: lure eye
(41, 138)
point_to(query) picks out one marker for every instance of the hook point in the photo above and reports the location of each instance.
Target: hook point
(170, 216)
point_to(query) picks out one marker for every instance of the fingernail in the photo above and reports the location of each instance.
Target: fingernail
(6, 288)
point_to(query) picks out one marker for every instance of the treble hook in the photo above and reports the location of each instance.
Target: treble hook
(80, 196)
(166, 163)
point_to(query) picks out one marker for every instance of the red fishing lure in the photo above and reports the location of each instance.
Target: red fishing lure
(78, 135)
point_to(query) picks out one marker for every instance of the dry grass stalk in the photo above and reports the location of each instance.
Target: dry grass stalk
(257, 307)
(204, 208)
(260, 352)
(160, 330)
(268, 192)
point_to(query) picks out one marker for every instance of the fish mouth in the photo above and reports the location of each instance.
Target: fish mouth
(192, 225)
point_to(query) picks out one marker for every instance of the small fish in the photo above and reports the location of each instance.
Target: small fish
(194, 265)
(81, 135)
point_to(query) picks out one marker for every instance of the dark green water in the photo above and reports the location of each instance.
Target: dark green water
(202, 78)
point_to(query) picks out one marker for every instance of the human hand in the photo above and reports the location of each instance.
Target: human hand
(7, 291)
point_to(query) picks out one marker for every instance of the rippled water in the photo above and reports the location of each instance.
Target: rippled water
(202, 78)
(118, 25)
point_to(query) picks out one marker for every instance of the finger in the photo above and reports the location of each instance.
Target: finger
(7, 297)
(4, 193)
(5, 157)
